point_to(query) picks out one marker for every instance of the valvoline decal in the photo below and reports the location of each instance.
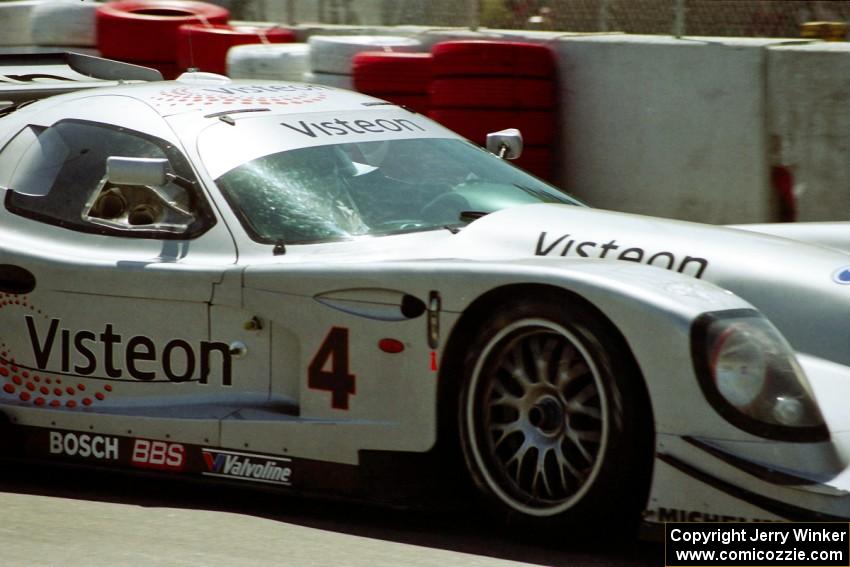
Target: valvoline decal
(255, 95)
(842, 275)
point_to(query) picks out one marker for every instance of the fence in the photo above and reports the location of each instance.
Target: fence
(743, 18)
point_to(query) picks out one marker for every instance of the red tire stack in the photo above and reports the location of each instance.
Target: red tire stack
(482, 86)
(145, 32)
(204, 46)
(402, 78)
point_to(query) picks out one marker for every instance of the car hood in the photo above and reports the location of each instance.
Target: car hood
(803, 288)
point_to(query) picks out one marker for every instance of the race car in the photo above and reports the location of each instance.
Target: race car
(294, 286)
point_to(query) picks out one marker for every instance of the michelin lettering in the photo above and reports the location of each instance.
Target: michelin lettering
(177, 359)
(566, 245)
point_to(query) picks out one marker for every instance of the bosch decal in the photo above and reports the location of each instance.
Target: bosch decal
(177, 359)
(340, 127)
(84, 445)
(160, 455)
(245, 466)
(564, 245)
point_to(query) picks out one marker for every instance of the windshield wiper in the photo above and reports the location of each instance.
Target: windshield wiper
(465, 216)
(473, 215)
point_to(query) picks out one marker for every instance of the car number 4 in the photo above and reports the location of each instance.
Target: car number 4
(329, 370)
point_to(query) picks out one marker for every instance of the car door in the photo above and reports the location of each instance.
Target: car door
(106, 292)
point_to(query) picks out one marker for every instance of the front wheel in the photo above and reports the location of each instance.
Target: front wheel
(553, 417)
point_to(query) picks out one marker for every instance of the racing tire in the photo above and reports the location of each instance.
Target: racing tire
(276, 62)
(493, 92)
(494, 58)
(205, 46)
(554, 425)
(537, 126)
(333, 53)
(125, 28)
(388, 72)
(64, 23)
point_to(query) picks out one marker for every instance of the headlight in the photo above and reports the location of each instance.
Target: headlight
(749, 374)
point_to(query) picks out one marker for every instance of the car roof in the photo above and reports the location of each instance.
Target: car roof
(215, 94)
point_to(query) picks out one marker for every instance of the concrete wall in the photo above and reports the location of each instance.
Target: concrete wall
(808, 120)
(663, 126)
(690, 128)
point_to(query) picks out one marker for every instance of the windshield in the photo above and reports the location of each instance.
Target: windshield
(341, 191)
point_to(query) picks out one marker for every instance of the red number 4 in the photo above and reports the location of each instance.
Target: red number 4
(336, 379)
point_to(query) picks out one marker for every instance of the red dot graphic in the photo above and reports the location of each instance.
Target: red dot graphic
(4, 371)
(57, 391)
(99, 395)
(25, 396)
(55, 403)
(69, 389)
(30, 386)
(108, 387)
(81, 387)
(17, 379)
(39, 401)
(44, 390)
(71, 404)
(9, 389)
(87, 401)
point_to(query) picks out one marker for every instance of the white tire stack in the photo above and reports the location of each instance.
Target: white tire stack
(330, 55)
(64, 23)
(15, 22)
(273, 61)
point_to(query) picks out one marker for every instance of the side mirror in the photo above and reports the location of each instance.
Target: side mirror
(507, 144)
(137, 171)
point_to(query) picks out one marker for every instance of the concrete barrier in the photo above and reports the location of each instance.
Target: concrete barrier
(808, 121)
(687, 128)
(666, 126)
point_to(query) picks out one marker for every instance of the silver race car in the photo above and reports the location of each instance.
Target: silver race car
(294, 286)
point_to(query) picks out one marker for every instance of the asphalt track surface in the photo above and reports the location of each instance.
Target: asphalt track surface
(74, 518)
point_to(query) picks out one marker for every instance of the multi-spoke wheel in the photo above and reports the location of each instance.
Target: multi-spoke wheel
(550, 413)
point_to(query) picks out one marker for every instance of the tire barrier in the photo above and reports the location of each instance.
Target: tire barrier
(64, 23)
(482, 86)
(15, 22)
(333, 54)
(402, 78)
(125, 28)
(205, 46)
(496, 58)
(275, 62)
(329, 79)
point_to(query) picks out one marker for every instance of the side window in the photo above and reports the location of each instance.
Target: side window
(59, 176)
